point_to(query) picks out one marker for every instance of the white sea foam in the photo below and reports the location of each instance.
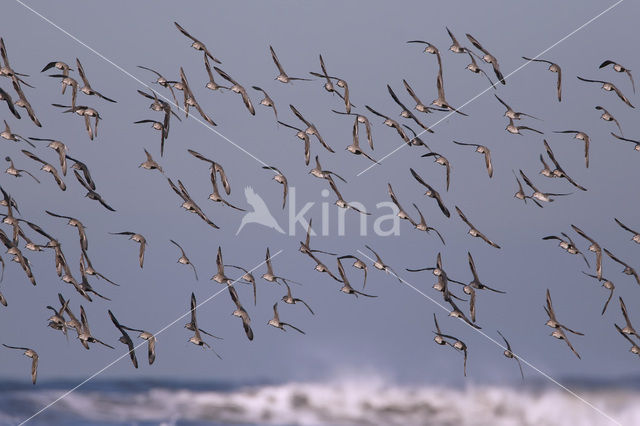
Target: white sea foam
(341, 402)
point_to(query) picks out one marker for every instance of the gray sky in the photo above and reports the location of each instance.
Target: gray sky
(363, 43)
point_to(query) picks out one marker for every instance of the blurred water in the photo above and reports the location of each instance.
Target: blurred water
(370, 401)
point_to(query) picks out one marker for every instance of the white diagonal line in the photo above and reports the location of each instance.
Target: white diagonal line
(127, 73)
(94, 375)
(488, 88)
(547, 376)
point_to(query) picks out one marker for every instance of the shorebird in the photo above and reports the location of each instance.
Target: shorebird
(619, 68)
(7, 71)
(240, 312)
(190, 99)
(267, 101)
(237, 88)
(283, 77)
(197, 44)
(6, 97)
(282, 180)
(440, 101)
(559, 333)
(87, 113)
(10, 136)
(91, 193)
(402, 214)
(545, 197)
(511, 113)
(84, 242)
(488, 58)
(583, 137)
(628, 270)
(380, 265)
(346, 286)
(354, 148)
(476, 283)
(311, 129)
(509, 354)
(320, 173)
(86, 174)
(361, 120)
(87, 89)
(216, 167)
(183, 259)
(559, 171)
(594, 247)
(458, 344)
(328, 85)
(553, 68)
(151, 342)
(607, 86)
(606, 116)
(247, 278)
(150, 163)
(419, 105)
(157, 125)
(431, 49)
(85, 334)
(57, 321)
(305, 247)
(125, 339)
(46, 167)
(11, 170)
(422, 225)
(300, 134)
(358, 264)
(188, 203)
(636, 234)
(606, 284)
(138, 238)
(474, 68)
(74, 323)
(275, 321)
(68, 82)
(388, 121)
(30, 353)
(406, 113)
(636, 142)
(440, 338)
(567, 245)
(340, 202)
(211, 84)
(634, 346)
(289, 299)
(58, 147)
(220, 277)
(269, 275)
(628, 328)
(513, 129)
(89, 270)
(442, 160)
(160, 80)
(62, 66)
(455, 47)
(431, 193)
(192, 325)
(473, 231)
(481, 149)
(22, 102)
(415, 140)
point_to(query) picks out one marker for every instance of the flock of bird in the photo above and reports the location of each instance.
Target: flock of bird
(63, 318)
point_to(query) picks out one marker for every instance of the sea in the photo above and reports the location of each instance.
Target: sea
(334, 402)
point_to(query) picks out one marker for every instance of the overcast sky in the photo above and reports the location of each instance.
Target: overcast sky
(364, 43)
